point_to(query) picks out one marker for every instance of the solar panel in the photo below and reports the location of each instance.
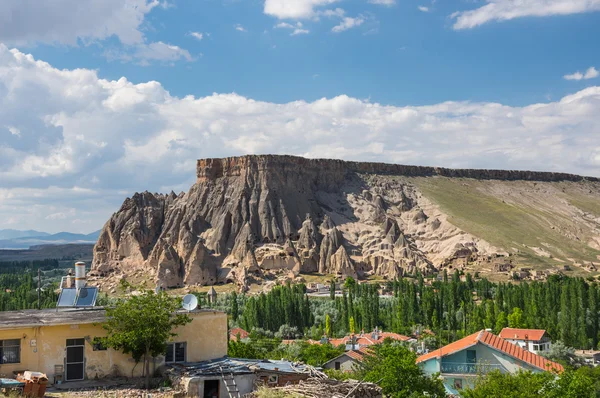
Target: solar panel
(67, 297)
(86, 297)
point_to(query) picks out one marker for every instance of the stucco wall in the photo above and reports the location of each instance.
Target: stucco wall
(346, 363)
(206, 338)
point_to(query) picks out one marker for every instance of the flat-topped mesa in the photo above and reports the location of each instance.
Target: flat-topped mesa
(213, 168)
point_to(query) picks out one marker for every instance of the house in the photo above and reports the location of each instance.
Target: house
(235, 332)
(347, 361)
(222, 376)
(533, 340)
(459, 363)
(362, 340)
(60, 343)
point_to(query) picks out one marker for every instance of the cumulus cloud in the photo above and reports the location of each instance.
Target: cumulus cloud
(589, 74)
(294, 9)
(348, 23)
(423, 8)
(67, 21)
(240, 28)
(504, 10)
(87, 142)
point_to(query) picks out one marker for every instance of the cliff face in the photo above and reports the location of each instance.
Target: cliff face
(249, 214)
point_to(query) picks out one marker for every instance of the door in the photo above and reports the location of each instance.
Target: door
(75, 359)
(211, 388)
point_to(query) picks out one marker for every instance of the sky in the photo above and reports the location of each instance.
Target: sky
(103, 98)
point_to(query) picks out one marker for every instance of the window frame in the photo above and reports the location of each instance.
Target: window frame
(171, 348)
(18, 351)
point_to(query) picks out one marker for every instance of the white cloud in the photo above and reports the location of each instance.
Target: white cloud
(294, 9)
(91, 142)
(14, 131)
(144, 54)
(297, 28)
(240, 28)
(348, 23)
(67, 21)
(423, 8)
(589, 74)
(300, 32)
(504, 10)
(196, 35)
(383, 2)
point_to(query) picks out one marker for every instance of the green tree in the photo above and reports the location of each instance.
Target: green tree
(515, 318)
(569, 384)
(393, 367)
(234, 307)
(352, 326)
(142, 325)
(332, 289)
(328, 325)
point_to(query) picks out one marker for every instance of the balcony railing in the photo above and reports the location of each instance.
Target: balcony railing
(470, 368)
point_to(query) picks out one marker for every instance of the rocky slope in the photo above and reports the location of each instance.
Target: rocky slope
(253, 214)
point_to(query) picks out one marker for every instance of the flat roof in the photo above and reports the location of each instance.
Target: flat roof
(62, 316)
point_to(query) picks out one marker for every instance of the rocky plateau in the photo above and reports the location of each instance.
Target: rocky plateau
(253, 214)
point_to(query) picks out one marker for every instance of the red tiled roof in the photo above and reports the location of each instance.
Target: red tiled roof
(497, 343)
(233, 333)
(522, 334)
(355, 355)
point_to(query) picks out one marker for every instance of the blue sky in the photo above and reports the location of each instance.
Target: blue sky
(102, 98)
(399, 55)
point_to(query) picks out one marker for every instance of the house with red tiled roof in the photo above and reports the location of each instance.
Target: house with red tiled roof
(361, 340)
(533, 340)
(460, 362)
(235, 332)
(347, 361)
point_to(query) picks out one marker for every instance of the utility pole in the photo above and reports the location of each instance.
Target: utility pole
(39, 289)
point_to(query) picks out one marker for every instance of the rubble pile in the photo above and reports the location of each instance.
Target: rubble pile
(328, 388)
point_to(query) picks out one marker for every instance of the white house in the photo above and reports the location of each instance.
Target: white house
(532, 340)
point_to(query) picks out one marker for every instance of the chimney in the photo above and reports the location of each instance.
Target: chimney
(79, 275)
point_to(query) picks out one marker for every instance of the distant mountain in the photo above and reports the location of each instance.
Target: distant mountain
(26, 239)
(14, 234)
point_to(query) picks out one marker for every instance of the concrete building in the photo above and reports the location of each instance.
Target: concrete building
(60, 344)
(345, 362)
(461, 362)
(533, 340)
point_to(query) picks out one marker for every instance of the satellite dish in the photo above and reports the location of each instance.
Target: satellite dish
(190, 302)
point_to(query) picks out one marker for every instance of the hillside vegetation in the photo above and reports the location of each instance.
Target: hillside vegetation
(542, 223)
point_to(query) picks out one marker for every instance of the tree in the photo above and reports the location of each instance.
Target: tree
(515, 319)
(328, 325)
(142, 325)
(352, 326)
(332, 289)
(234, 307)
(569, 384)
(501, 322)
(393, 367)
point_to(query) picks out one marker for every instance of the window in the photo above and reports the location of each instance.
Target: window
(10, 351)
(471, 356)
(273, 379)
(176, 352)
(338, 366)
(458, 384)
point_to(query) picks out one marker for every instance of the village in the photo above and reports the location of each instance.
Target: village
(61, 351)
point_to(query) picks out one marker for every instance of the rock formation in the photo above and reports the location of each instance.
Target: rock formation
(245, 215)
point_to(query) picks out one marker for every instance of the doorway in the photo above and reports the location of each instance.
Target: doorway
(211, 388)
(75, 361)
